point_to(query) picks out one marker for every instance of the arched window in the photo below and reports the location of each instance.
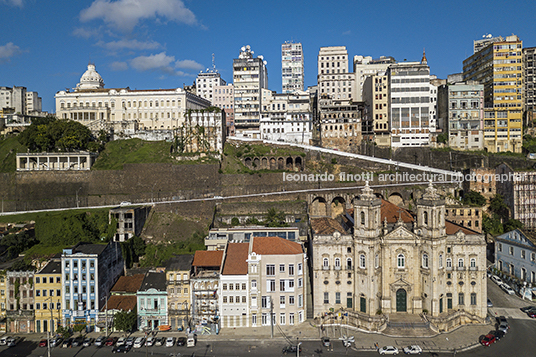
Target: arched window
(460, 263)
(362, 218)
(362, 261)
(349, 263)
(337, 263)
(425, 260)
(473, 263)
(325, 263)
(401, 261)
(449, 263)
(425, 218)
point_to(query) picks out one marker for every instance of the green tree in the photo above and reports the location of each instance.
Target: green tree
(512, 224)
(125, 320)
(442, 138)
(79, 328)
(64, 332)
(275, 218)
(474, 198)
(235, 221)
(497, 206)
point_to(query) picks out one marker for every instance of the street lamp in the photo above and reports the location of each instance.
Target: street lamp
(298, 348)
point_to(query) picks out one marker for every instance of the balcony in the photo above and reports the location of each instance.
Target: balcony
(20, 314)
(475, 268)
(325, 267)
(461, 268)
(338, 267)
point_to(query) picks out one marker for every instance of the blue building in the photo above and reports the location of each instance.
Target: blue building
(89, 272)
(152, 301)
(515, 254)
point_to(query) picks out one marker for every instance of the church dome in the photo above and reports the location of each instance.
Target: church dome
(91, 79)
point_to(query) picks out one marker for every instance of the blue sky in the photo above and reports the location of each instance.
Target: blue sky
(45, 45)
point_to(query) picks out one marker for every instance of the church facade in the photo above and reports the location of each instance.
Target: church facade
(381, 260)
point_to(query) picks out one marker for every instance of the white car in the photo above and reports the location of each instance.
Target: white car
(413, 350)
(3, 340)
(388, 350)
(120, 341)
(12, 341)
(125, 203)
(507, 289)
(496, 280)
(170, 341)
(150, 341)
(139, 342)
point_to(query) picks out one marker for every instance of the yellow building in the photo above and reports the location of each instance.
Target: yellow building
(48, 297)
(3, 301)
(178, 286)
(498, 66)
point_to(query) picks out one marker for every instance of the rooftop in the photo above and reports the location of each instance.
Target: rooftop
(180, 262)
(236, 259)
(128, 284)
(275, 246)
(154, 280)
(53, 267)
(121, 302)
(204, 258)
(326, 225)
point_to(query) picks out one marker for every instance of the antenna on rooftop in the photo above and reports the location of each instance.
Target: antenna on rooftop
(213, 63)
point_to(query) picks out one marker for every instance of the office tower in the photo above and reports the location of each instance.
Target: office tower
(529, 81)
(292, 67)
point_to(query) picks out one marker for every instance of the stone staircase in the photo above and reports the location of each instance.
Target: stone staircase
(407, 325)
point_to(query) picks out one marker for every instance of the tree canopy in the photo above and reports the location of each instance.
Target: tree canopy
(125, 320)
(474, 198)
(50, 134)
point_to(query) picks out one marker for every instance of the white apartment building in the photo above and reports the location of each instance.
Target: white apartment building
(409, 89)
(206, 82)
(20, 100)
(286, 117)
(223, 98)
(376, 97)
(333, 76)
(124, 110)
(250, 75)
(292, 71)
(365, 66)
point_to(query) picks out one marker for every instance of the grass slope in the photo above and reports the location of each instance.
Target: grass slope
(133, 151)
(9, 147)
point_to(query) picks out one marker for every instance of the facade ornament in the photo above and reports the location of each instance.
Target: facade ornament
(431, 192)
(367, 192)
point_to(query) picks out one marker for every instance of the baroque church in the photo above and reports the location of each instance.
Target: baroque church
(377, 259)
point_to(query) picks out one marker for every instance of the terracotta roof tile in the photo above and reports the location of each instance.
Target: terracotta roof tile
(392, 212)
(121, 302)
(275, 246)
(208, 258)
(453, 228)
(128, 284)
(236, 259)
(326, 225)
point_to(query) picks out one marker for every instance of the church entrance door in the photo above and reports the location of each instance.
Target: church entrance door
(401, 297)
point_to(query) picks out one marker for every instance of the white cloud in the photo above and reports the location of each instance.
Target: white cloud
(159, 61)
(189, 64)
(129, 45)
(86, 33)
(119, 66)
(9, 50)
(124, 15)
(17, 3)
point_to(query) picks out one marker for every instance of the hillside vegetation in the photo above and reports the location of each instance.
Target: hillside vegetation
(9, 147)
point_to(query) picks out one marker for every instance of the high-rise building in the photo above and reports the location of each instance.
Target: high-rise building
(334, 79)
(20, 100)
(224, 99)
(376, 97)
(485, 41)
(529, 81)
(498, 66)
(365, 66)
(292, 67)
(205, 83)
(409, 90)
(250, 76)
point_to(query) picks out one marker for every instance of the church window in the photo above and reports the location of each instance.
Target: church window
(461, 299)
(362, 218)
(362, 261)
(473, 263)
(401, 261)
(425, 260)
(473, 298)
(337, 263)
(425, 218)
(449, 263)
(325, 263)
(460, 264)
(349, 263)
(440, 260)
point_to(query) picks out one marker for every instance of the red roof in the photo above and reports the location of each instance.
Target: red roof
(392, 212)
(208, 258)
(236, 259)
(326, 225)
(121, 302)
(128, 284)
(275, 246)
(453, 228)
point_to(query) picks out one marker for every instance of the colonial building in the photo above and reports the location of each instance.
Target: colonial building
(515, 254)
(399, 262)
(124, 110)
(234, 286)
(466, 216)
(89, 272)
(130, 221)
(178, 270)
(48, 297)
(20, 302)
(152, 301)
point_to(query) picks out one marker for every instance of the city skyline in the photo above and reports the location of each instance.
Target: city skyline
(165, 43)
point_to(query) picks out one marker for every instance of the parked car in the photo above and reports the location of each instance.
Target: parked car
(388, 350)
(496, 280)
(326, 342)
(413, 350)
(488, 339)
(497, 333)
(490, 304)
(120, 341)
(181, 341)
(121, 349)
(129, 341)
(3, 340)
(528, 308)
(170, 341)
(110, 341)
(12, 341)
(54, 342)
(291, 349)
(100, 341)
(507, 289)
(503, 327)
(67, 343)
(500, 320)
(191, 340)
(150, 341)
(125, 203)
(43, 343)
(88, 342)
(78, 341)
(139, 342)
(532, 314)
(160, 341)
